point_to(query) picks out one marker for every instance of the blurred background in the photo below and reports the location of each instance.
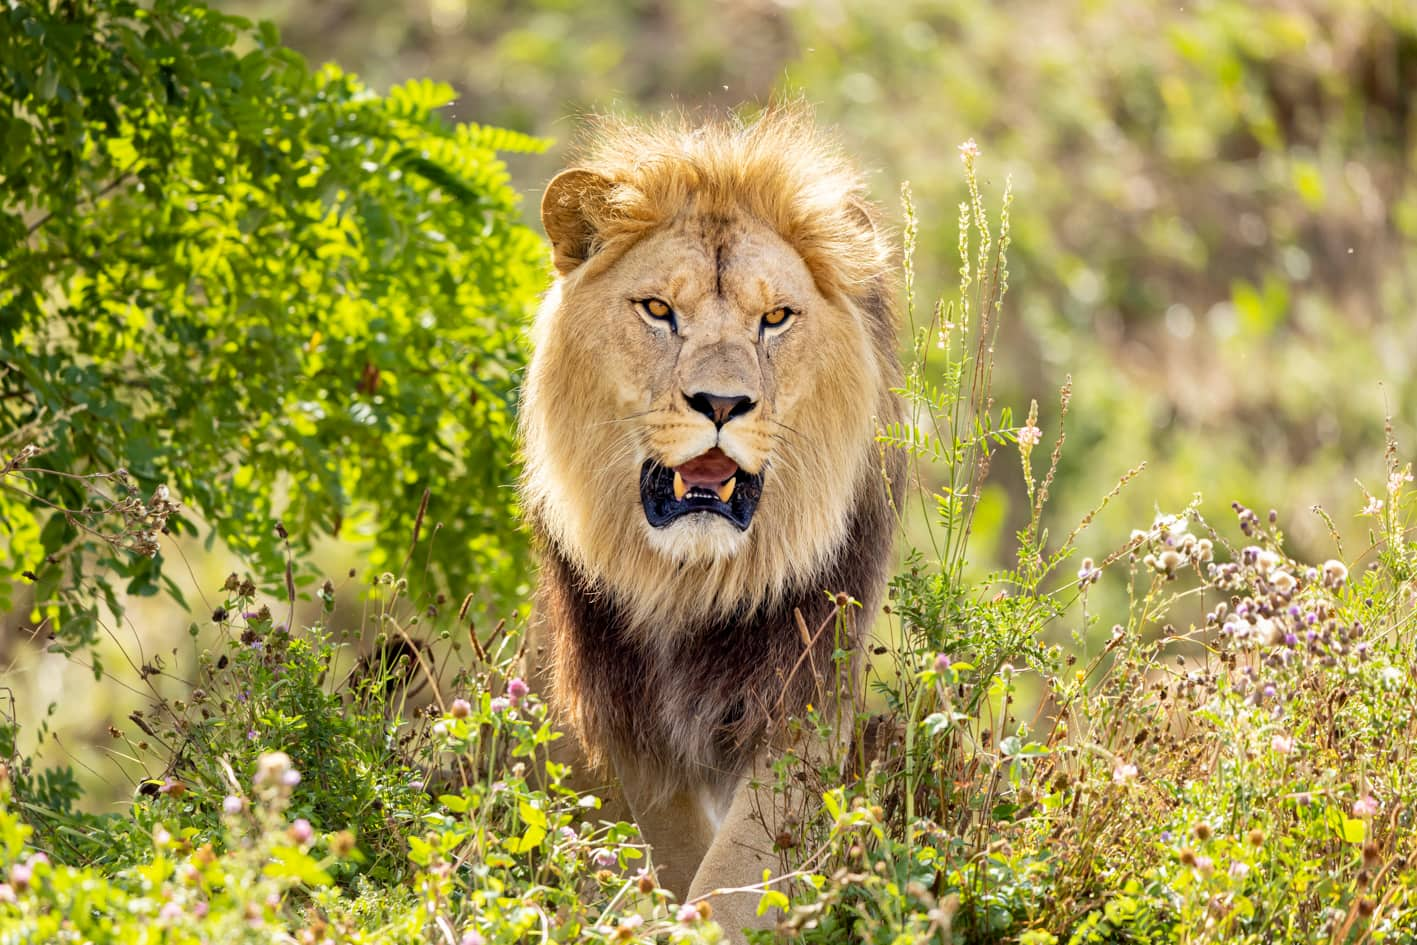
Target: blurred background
(1214, 227)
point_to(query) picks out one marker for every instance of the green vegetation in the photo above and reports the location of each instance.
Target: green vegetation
(261, 287)
(259, 291)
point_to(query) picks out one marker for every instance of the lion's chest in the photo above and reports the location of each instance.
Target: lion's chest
(695, 702)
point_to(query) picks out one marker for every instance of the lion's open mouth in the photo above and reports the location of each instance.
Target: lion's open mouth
(708, 483)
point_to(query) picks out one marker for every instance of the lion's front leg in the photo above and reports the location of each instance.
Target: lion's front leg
(741, 850)
(675, 824)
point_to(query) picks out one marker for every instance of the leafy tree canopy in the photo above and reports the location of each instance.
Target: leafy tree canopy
(259, 285)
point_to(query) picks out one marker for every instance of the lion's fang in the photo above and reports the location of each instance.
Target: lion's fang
(679, 487)
(725, 491)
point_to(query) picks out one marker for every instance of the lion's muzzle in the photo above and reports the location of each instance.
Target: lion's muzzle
(711, 483)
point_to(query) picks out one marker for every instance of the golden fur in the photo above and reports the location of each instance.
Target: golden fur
(598, 397)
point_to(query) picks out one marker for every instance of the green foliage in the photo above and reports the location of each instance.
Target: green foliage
(298, 801)
(260, 287)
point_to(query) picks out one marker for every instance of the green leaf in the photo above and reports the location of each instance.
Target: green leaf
(291, 863)
(454, 802)
(528, 841)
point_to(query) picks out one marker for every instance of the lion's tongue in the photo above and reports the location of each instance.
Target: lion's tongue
(708, 470)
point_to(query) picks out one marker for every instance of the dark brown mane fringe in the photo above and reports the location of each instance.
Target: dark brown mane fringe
(706, 697)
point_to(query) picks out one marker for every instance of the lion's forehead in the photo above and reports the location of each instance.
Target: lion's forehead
(703, 258)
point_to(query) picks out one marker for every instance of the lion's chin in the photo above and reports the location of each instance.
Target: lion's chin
(705, 487)
(698, 540)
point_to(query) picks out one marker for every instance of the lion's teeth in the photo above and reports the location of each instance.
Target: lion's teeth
(725, 491)
(679, 487)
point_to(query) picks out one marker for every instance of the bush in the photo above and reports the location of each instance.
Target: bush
(255, 289)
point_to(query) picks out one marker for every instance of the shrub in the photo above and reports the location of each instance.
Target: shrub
(255, 289)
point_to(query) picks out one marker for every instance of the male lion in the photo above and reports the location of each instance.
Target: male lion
(710, 368)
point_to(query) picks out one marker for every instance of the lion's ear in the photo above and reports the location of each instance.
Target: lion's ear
(567, 213)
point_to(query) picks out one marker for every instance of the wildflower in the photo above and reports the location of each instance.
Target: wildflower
(1088, 574)
(1124, 773)
(942, 663)
(1203, 831)
(1029, 437)
(342, 843)
(517, 689)
(291, 778)
(20, 876)
(1281, 744)
(1205, 865)
(271, 767)
(1256, 837)
(199, 909)
(501, 704)
(688, 913)
(569, 835)
(301, 831)
(7, 893)
(604, 859)
(1397, 478)
(644, 881)
(440, 729)
(628, 926)
(460, 709)
(1335, 573)
(1284, 582)
(968, 151)
(233, 805)
(472, 937)
(1373, 507)
(1239, 870)
(1365, 806)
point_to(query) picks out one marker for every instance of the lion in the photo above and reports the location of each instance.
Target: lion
(709, 372)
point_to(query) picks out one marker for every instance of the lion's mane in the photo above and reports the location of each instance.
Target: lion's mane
(688, 666)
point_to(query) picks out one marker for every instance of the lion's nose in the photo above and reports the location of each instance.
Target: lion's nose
(719, 408)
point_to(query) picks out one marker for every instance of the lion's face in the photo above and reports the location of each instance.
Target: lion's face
(703, 401)
(699, 415)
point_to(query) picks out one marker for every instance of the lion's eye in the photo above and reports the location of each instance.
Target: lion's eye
(777, 318)
(658, 310)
